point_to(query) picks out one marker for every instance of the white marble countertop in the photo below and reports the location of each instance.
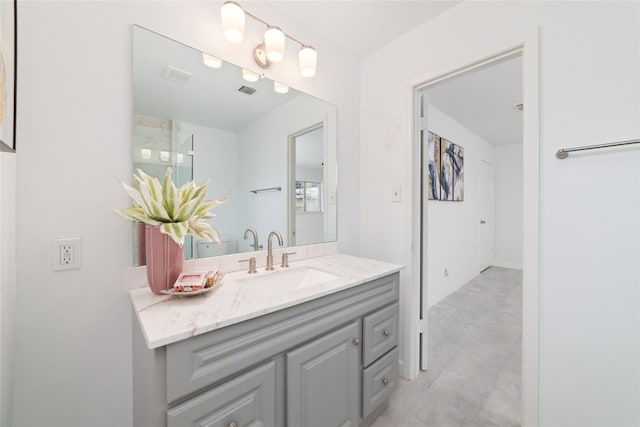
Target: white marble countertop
(168, 319)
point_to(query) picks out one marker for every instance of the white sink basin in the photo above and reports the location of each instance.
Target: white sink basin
(280, 281)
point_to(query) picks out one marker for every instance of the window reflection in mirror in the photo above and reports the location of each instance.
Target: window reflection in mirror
(209, 123)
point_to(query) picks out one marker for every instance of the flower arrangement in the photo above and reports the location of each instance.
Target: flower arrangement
(178, 211)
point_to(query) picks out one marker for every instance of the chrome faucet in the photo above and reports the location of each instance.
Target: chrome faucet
(255, 245)
(270, 249)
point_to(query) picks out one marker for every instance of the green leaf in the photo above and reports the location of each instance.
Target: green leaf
(176, 230)
(153, 206)
(186, 211)
(204, 231)
(170, 195)
(134, 194)
(135, 214)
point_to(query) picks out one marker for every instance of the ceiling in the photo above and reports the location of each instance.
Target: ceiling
(361, 27)
(483, 101)
(210, 98)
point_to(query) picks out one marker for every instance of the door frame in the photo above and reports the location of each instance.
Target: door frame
(529, 50)
(291, 178)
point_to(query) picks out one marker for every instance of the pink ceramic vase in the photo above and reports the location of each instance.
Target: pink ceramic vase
(164, 259)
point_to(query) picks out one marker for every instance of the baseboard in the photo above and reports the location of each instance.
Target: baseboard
(507, 264)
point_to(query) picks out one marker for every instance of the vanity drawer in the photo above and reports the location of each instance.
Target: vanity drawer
(380, 333)
(379, 381)
(246, 400)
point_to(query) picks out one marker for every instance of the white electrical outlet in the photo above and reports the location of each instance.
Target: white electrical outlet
(66, 254)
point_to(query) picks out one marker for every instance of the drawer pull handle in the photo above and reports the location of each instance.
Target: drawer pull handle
(356, 341)
(386, 333)
(385, 381)
(233, 424)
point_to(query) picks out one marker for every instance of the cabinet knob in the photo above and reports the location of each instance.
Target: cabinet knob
(385, 381)
(356, 341)
(233, 424)
(386, 333)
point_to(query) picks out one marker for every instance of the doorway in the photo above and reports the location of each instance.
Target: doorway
(306, 210)
(449, 261)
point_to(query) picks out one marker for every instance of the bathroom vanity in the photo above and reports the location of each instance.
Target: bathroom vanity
(315, 344)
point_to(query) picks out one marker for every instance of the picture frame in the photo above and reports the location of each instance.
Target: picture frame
(8, 74)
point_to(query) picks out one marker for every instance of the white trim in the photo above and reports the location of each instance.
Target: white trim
(529, 49)
(507, 264)
(531, 232)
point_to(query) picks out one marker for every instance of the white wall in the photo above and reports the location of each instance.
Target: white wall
(73, 329)
(589, 93)
(7, 282)
(453, 228)
(508, 213)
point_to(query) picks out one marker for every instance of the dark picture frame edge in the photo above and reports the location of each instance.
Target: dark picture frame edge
(4, 146)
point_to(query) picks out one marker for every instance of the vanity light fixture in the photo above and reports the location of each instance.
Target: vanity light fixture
(307, 59)
(211, 61)
(164, 156)
(250, 76)
(272, 50)
(274, 44)
(280, 88)
(145, 153)
(233, 19)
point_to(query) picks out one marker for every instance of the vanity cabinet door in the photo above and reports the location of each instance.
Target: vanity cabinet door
(248, 400)
(323, 380)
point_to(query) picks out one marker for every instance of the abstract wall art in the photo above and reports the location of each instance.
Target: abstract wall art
(433, 166)
(445, 169)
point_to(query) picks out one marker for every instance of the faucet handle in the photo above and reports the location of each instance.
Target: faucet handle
(252, 265)
(285, 259)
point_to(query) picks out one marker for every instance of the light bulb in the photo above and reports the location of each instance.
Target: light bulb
(280, 88)
(274, 44)
(211, 61)
(250, 76)
(145, 153)
(307, 59)
(233, 18)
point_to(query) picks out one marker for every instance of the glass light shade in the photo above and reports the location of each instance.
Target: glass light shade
(164, 156)
(307, 59)
(274, 44)
(280, 88)
(145, 153)
(211, 61)
(250, 76)
(233, 18)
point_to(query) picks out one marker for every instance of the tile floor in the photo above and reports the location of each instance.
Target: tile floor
(475, 354)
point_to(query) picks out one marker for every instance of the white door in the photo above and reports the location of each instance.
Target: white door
(485, 221)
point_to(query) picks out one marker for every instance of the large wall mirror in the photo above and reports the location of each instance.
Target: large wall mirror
(272, 152)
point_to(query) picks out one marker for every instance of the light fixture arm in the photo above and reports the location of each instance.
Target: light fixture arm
(272, 49)
(266, 24)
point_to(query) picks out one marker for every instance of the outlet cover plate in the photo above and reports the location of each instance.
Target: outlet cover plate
(66, 254)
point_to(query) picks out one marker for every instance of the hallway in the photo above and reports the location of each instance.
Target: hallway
(475, 357)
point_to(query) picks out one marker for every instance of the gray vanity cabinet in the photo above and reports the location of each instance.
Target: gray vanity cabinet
(322, 380)
(331, 361)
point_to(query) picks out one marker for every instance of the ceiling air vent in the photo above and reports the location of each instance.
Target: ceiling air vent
(176, 74)
(248, 90)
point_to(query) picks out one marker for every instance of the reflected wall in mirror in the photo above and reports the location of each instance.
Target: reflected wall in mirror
(248, 139)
